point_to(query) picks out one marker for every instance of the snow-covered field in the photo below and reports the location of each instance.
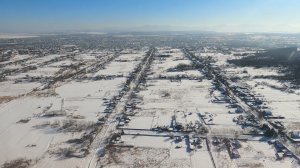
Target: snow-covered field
(53, 114)
(32, 125)
(150, 151)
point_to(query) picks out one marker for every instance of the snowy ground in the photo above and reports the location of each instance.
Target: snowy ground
(26, 129)
(156, 152)
(44, 125)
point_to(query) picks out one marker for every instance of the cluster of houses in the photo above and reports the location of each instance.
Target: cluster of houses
(232, 146)
(179, 77)
(176, 126)
(247, 121)
(281, 150)
(247, 96)
(192, 142)
(130, 102)
(294, 135)
(102, 77)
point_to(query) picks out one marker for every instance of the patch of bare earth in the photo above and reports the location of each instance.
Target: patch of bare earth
(131, 157)
(5, 99)
(18, 163)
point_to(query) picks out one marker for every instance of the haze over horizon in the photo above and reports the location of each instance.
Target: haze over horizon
(34, 16)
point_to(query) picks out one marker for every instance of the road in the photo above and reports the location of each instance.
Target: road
(247, 108)
(111, 123)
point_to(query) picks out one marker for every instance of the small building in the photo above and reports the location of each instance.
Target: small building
(295, 134)
(279, 155)
(201, 114)
(239, 110)
(216, 141)
(267, 113)
(100, 152)
(278, 146)
(235, 153)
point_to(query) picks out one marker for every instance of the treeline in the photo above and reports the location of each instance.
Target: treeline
(286, 59)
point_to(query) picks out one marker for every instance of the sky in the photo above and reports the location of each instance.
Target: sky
(38, 16)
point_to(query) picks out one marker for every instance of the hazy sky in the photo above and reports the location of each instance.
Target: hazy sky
(103, 15)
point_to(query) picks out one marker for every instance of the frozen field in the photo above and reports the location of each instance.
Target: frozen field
(147, 107)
